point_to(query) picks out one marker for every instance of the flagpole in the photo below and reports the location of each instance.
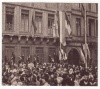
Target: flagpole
(85, 33)
(59, 33)
(85, 26)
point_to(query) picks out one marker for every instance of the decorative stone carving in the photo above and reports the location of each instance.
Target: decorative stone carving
(19, 38)
(34, 39)
(54, 40)
(11, 38)
(41, 40)
(27, 38)
(47, 40)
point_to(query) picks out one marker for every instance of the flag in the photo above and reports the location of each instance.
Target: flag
(86, 51)
(83, 10)
(62, 38)
(82, 55)
(57, 24)
(67, 24)
(34, 25)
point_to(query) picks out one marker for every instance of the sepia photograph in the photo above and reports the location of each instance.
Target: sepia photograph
(49, 44)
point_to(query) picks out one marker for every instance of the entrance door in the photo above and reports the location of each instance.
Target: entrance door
(8, 51)
(73, 57)
(40, 52)
(52, 51)
(26, 52)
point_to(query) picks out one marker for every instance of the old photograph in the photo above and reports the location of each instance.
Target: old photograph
(49, 44)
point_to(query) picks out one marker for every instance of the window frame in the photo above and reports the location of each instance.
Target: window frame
(52, 21)
(78, 26)
(27, 15)
(9, 10)
(39, 31)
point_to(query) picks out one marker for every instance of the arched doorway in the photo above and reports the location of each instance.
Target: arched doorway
(74, 57)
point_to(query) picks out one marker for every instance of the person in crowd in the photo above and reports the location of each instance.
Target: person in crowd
(13, 57)
(34, 73)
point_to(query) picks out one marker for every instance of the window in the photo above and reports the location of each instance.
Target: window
(91, 27)
(96, 7)
(96, 28)
(25, 51)
(78, 26)
(9, 19)
(89, 6)
(50, 23)
(8, 51)
(40, 52)
(38, 20)
(24, 20)
(77, 5)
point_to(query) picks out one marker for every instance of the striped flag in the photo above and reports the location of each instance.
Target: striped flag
(82, 9)
(82, 55)
(67, 24)
(57, 23)
(62, 37)
(86, 51)
(34, 25)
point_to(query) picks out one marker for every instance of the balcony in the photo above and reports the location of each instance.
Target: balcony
(82, 39)
(50, 33)
(9, 27)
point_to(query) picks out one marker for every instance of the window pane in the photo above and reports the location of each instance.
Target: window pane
(22, 23)
(25, 51)
(52, 51)
(9, 18)
(38, 20)
(78, 26)
(26, 24)
(91, 27)
(50, 23)
(24, 20)
(8, 52)
(40, 52)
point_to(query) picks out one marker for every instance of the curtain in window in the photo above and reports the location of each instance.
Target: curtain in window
(26, 24)
(22, 23)
(40, 26)
(92, 28)
(8, 51)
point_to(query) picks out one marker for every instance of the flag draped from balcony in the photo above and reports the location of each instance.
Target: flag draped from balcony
(86, 51)
(34, 25)
(67, 24)
(83, 10)
(57, 23)
(62, 50)
(85, 45)
(55, 26)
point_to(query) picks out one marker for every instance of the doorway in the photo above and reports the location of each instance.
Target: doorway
(73, 57)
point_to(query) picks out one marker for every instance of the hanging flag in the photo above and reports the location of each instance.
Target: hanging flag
(67, 24)
(57, 23)
(34, 25)
(82, 55)
(83, 10)
(86, 51)
(62, 37)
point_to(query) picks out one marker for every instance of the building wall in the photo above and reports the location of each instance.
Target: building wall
(74, 11)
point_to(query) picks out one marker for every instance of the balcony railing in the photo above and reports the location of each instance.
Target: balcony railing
(82, 39)
(50, 31)
(9, 27)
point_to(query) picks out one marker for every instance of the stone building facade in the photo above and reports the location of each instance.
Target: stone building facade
(20, 37)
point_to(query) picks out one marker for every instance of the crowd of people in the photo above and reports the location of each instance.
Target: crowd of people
(38, 73)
